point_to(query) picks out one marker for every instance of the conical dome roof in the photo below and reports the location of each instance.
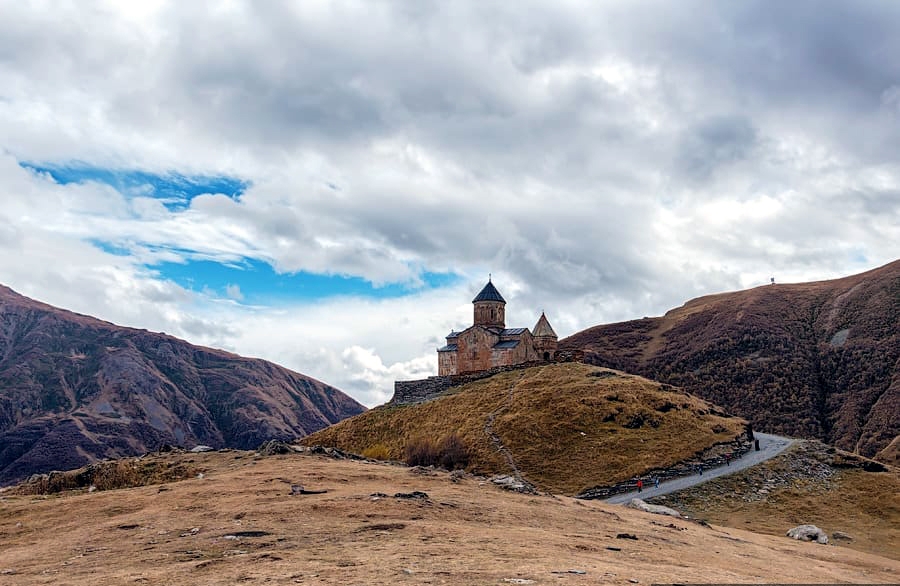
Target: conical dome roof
(489, 293)
(542, 328)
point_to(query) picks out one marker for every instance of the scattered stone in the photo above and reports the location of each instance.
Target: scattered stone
(378, 495)
(298, 489)
(200, 476)
(611, 548)
(457, 475)
(423, 470)
(7, 572)
(512, 483)
(657, 509)
(191, 533)
(518, 581)
(838, 535)
(408, 572)
(239, 534)
(626, 536)
(416, 494)
(633, 581)
(273, 447)
(92, 488)
(128, 527)
(808, 533)
(202, 448)
(579, 572)
(330, 452)
(382, 527)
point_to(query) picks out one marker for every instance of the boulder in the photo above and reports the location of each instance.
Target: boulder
(841, 535)
(273, 447)
(202, 448)
(808, 533)
(657, 509)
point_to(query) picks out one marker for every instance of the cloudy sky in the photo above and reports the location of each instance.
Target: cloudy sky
(328, 184)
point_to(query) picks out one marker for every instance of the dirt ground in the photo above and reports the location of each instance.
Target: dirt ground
(239, 523)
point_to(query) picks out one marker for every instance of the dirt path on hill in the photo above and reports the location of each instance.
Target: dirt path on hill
(497, 442)
(769, 447)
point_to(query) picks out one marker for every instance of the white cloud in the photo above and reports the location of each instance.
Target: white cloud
(603, 164)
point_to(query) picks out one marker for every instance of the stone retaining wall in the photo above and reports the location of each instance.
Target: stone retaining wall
(410, 392)
(712, 457)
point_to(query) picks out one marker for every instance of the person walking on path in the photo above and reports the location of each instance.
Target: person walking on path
(728, 459)
(656, 482)
(640, 485)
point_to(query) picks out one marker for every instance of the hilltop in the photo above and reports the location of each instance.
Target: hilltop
(239, 523)
(565, 427)
(817, 360)
(75, 389)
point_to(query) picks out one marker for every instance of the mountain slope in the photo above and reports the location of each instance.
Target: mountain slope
(818, 360)
(74, 389)
(565, 427)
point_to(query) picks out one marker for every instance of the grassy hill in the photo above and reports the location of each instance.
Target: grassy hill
(567, 426)
(817, 360)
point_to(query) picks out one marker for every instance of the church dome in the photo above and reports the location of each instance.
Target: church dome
(489, 293)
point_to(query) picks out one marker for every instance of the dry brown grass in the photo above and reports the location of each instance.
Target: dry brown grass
(864, 504)
(566, 427)
(239, 524)
(126, 473)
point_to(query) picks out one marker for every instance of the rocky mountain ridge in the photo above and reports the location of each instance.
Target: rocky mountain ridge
(817, 360)
(74, 389)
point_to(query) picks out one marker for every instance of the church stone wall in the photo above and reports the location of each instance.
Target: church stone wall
(474, 350)
(447, 363)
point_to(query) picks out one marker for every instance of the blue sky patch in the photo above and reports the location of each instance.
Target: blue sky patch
(174, 190)
(259, 283)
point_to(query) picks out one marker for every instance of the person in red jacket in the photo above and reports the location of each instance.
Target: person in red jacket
(640, 485)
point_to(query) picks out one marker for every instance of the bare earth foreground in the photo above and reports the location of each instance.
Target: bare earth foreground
(239, 523)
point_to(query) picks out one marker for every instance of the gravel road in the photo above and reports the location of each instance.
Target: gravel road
(769, 447)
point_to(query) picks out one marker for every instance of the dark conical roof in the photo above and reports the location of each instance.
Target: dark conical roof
(489, 293)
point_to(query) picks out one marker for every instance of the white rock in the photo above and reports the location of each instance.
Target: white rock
(658, 509)
(808, 533)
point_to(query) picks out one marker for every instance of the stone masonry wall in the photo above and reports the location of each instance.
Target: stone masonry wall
(410, 392)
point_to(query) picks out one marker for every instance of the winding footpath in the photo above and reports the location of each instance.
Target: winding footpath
(769, 447)
(498, 443)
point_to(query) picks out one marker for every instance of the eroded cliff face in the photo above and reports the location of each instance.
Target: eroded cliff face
(818, 360)
(74, 389)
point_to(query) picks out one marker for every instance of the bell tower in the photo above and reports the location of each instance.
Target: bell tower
(490, 307)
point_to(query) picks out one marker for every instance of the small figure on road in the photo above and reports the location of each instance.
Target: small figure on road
(700, 469)
(656, 482)
(640, 485)
(756, 444)
(728, 459)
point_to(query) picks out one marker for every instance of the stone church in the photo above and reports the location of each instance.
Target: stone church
(488, 343)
